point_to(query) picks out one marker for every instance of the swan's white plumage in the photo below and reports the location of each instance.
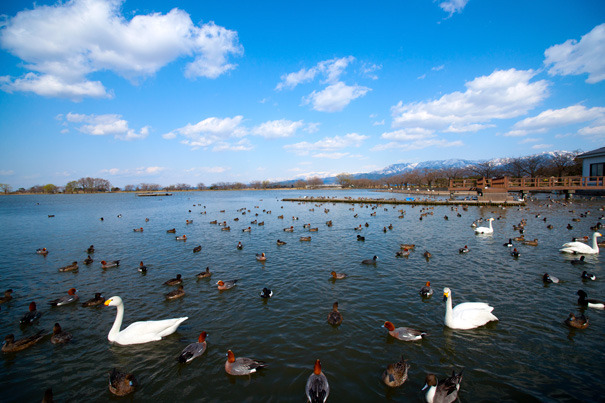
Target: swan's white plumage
(467, 315)
(581, 247)
(485, 230)
(139, 332)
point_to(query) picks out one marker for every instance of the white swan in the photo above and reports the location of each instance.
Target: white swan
(139, 332)
(467, 315)
(485, 230)
(581, 247)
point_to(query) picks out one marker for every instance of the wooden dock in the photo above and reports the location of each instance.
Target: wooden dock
(408, 201)
(565, 184)
(153, 194)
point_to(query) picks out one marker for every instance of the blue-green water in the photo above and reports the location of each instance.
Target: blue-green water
(529, 355)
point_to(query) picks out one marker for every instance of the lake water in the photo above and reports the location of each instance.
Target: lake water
(529, 355)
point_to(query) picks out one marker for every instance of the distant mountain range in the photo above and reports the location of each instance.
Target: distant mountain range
(395, 169)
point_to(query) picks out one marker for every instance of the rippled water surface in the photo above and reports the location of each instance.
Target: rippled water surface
(529, 355)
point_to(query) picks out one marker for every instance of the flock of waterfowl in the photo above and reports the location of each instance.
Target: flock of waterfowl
(467, 315)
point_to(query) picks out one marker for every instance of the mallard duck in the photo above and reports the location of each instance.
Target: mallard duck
(97, 300)
(11, 345)
(174, 281)
(317, 388)
(193, 350)
(396, 374)
(59, 335)
(242, 365)
(175, 294)
(335, 317)
(122, 383)
(204, 274)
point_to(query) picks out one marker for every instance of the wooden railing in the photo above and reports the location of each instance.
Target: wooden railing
(529, 184)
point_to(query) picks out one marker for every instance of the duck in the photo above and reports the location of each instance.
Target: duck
(427, 255)
(515, 253)
(205, 274)
(426, 291)
(313, 229)
(138, 229)
(197, 249)
(42, 251)
(31, 316)
(142, 268)
(266, 293)
(109, 265)
(174, 281)
(590, 303)
(97, 300)
(181, 238)
(580, 247)
(588, 276)
(11, 345)
(261, 257)
(242, 365)
(70, 298)
(579, 322)
(289, 229)
(139, 332)
(88, 260)
(240, 246)
(7, 296)
(193, 350)
(305, 238)
(520, 238)
(467, 315)
(408, 246)
(485, 230)
(547, 279)
(175, 294)
(225, 285)
(59, 335)
(279, 242)
(404, 333)
(402, 253)
(249, 229)
(121, 383)
(464, 250)
(91, 249)
(579, 261)
(171, 231)
(396, 374)
(72, 267)
(370, 261)
(361, 238)
(338, 276)
(531, 243)
(445, 391)
(317, 388)
(335, 317)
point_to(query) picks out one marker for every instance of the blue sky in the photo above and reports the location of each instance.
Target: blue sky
(179, 91)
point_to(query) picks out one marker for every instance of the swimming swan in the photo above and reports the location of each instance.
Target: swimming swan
(139, 332)
(580, 247)
(485, 230)
(467, 315)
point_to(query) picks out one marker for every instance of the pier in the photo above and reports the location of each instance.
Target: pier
(407, 201)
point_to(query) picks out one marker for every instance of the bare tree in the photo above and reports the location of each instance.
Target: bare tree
(560, 163)
(129, 188)
(487, 169)
(315, 181)
(5, 188)
(344, 179)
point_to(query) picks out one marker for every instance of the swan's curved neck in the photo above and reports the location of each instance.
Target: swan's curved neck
(490, 224)
(595, 244)
(448, 309)
(115, 329)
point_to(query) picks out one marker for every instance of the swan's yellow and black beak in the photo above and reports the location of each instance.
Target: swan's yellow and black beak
(446, 295)
(106, 303)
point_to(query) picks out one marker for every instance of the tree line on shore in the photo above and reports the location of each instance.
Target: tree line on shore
(557, 165)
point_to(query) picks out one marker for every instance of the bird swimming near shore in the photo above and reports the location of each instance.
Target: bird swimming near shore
(121, 383)
(175, 294)
(139, 332)
(396, 374)
(444, 391)
(42, 251)
(370, 261)
(109, 265)
(588, 276)
(174, 281)
(279, 242)
(11, 345)
(193, 350)
(204, 274)
(59, 335)
(71, 267)
(579, 261)
(242, 365)
(31, 316)
(426, 291)
(547, 279)
(91, 249)
(266, 293)
(226, 285)
(142, 268)
(485, 230)
(335, 317)
(197, 249)
(97, 300)
(578, 322)
(467, 315)
(7, 296)
(261, 257)
(404, 333)
(581, 247)
(464, 250)
(515, 253)
(317, 388)
(338, 276)
(590, 303)
(88, 260)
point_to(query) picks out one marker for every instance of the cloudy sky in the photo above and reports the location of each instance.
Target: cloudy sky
(193, 91)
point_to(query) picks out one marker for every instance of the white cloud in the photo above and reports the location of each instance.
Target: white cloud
(453, 6)
(6, 172)
(438, 68)
(333, 156)
(104, 125)
(541, 146)
(212, 131)
(503, 94)
(330, 69)
(555, 118)
(378, 123)
(598, 132)
(368, 70)
(277, 128)
(209, 170)
(140, 171)
(335, 97)
(529, 140)
(573, 57)
(417, 145)
(64, 43)
(327, 144)
(242, 145)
